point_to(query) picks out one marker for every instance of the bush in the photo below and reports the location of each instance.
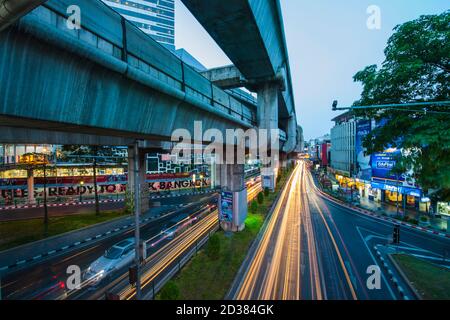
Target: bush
(266, 192)
(129, 202)
(260, 198)
(414, 221)
(254, 206)
(170, 291)
(213, 247)
(424, 219)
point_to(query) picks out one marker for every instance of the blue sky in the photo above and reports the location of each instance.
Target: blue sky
(328, 42)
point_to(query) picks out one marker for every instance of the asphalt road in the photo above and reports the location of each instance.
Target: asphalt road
(47, 279)
(314, 249)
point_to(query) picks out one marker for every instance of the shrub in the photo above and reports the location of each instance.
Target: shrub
(266, 192)
(260, 198)
(254, 206)
(170, 291)
(129, 202)
(213, 247)
(424, 219)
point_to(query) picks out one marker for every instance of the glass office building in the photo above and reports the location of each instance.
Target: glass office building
(154, 17)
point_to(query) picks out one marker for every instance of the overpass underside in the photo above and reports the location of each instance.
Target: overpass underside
(78, 81)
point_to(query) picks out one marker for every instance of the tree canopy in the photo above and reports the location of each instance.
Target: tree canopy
(416, 69)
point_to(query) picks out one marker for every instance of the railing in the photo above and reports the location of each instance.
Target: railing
(52, 14)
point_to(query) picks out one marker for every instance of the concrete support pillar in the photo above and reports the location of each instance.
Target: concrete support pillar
(232, 180)
(30, 186)
(142, 175)
(267, 116)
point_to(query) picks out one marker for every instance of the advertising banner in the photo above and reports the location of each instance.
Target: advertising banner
(383, 164)
(226, 206)
(364, 170)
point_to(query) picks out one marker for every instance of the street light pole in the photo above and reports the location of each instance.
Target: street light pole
(137, 213)
(97, 208)
(45, 197)
(80, 191)
(397, 194)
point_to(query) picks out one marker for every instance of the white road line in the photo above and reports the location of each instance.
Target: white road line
(375, 261)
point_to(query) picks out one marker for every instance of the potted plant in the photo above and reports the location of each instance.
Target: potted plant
(424, 221)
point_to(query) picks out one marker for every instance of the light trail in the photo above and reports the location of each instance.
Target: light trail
(272, 280)
(171, 252)
(276, 269)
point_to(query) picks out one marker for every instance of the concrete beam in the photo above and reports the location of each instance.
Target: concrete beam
(12, 10)
(19, 135)
(227, 77)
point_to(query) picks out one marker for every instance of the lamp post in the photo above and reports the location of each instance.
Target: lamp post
(45, 195)
(398, 190)
(97, 208)
(193, 181)
(81, 186)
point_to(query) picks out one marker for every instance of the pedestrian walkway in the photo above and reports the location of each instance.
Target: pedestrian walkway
(390, 210)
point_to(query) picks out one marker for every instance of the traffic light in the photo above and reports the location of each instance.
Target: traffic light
(335, 104)
(396, 235)
(132, 275)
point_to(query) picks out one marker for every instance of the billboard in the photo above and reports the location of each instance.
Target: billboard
(382, 165)
(364, 169)
(226, 207)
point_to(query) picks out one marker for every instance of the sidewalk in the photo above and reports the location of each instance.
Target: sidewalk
(390, 210)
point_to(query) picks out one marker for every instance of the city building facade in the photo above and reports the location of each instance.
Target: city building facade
(343, 136)
(154, 17)
(371, 175)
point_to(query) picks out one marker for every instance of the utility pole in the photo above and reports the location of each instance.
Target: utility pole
(97, 208)
(45, 196)
(137, 212)
(398, 190)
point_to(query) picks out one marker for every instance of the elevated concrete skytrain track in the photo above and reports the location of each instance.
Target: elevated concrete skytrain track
(109, 83)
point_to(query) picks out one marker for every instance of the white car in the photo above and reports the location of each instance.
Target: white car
(115, 258)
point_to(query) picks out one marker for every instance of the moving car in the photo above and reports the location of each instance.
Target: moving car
(115, 258)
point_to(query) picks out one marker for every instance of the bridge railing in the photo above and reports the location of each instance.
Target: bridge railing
(107, 31)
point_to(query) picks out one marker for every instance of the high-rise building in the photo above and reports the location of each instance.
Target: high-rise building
(154, 17)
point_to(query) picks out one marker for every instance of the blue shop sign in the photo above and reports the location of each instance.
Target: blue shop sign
(402, 189)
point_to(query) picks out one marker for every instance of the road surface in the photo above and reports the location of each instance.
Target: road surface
(313, 248)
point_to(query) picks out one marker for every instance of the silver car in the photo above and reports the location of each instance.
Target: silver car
(115, 258)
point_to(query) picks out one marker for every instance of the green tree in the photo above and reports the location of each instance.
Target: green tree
(254, 206)
(416, 69)
(260, 198)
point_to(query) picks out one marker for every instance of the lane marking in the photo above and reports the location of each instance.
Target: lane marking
(375, 261)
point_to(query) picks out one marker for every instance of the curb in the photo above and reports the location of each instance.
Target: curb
(405, 278)
(400, 290)
(66, 204)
